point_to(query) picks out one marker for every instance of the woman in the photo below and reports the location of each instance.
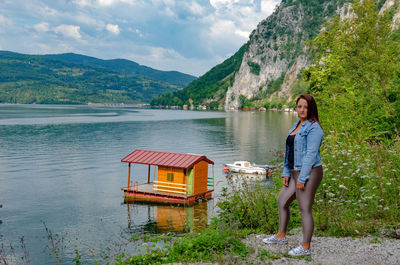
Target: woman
(302, 173)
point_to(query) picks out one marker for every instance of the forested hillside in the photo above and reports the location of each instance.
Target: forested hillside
(47, 79)
(127, 67)
(212, 85)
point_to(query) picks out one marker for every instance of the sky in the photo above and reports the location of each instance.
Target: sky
(190, 36)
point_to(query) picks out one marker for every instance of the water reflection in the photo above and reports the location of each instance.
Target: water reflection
(168, 218)
(238, 177)
(65, 160)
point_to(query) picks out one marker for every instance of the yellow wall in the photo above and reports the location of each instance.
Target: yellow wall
(179, 176)
(200, 177)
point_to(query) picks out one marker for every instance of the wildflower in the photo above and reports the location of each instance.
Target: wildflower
(342, 186)
(345, 164)
(386, 208)
(388, 183)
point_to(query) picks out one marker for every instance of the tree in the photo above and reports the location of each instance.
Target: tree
(356, 77)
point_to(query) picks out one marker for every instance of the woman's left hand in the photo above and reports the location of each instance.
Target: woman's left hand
(299, 185)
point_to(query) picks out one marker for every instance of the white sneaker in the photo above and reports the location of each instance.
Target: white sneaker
(300, 251)
(274, 240)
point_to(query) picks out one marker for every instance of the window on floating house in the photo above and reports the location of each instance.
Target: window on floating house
(170, 176)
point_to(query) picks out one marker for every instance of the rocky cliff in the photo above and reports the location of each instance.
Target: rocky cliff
(277, 49)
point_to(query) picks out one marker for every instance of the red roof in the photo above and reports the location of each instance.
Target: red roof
(165, 159)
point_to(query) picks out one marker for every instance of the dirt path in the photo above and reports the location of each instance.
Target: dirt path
(327, 250)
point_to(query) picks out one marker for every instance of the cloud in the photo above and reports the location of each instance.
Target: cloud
(107, 2)
(2, 19)
(139, 33)
(222, 27)
(194, 8)
(42, 27)
(68, 31)
(190, 36)
(114, 29)
(268, 6)
(160, 53)
(4, 24)
(102, 3)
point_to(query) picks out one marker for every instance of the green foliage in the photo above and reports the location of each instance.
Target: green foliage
(357, 74)
(298, 88)
(126, 67)
(315, 13)
(254, 67)
(356, 83)
(244, 102)
(360, 191)
(210, 244)
(212, 83)
(254, 206)
(38, 79)
(276, 84)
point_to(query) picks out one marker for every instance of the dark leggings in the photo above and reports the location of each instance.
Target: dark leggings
(305, 199)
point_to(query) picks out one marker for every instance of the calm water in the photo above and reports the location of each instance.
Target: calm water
(60, 168)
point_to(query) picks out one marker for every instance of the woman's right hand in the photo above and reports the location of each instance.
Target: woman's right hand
(285, 181)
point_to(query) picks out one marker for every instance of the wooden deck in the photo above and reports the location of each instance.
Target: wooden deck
(145, 192)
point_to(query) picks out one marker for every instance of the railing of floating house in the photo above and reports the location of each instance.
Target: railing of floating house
(210, 180)
(169, 187)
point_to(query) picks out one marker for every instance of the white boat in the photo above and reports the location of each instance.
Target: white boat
(246, 168)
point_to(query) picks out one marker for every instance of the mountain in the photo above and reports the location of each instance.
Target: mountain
(268, 67)
(127, 67)
(212, 85)
(79, 79)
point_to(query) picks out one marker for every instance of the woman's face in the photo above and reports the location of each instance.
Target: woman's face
(302, 109)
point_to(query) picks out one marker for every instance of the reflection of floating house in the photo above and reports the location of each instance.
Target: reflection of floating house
(169, 218)
(177, 219)
(181, 178)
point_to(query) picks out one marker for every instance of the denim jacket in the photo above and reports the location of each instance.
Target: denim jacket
(307, 154)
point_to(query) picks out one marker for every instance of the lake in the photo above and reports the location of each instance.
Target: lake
(60, 169)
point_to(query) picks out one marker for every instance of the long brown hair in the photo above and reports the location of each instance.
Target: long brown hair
(312, 111)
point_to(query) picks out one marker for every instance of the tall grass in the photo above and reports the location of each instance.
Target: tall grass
(359, 193)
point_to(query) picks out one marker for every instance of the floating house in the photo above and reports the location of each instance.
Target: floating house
(178, 178)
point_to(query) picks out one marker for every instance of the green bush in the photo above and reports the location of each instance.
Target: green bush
(254, 67)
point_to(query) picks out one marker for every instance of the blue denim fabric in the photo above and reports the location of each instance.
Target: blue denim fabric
(307, 153)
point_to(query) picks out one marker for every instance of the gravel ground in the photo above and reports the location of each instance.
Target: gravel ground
(328, 250)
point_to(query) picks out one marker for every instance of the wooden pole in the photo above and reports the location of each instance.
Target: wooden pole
(129, 175)
(148, 176)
